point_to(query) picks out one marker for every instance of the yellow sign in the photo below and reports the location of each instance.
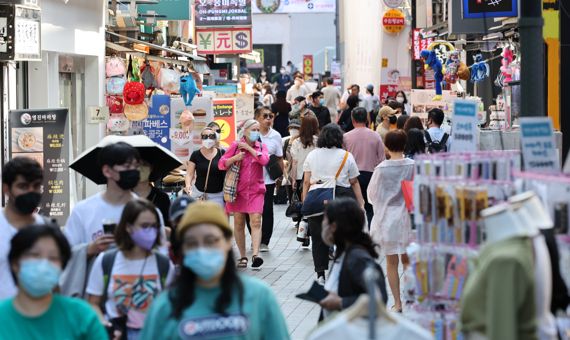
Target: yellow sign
(394, 21)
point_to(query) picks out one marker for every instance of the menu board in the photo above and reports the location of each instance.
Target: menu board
(43, 136)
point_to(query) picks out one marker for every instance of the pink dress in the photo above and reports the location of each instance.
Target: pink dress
(251, 185)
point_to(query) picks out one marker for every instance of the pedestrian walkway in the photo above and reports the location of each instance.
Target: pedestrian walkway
(288, 268)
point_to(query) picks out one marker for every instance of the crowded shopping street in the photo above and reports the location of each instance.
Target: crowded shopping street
(285, 169)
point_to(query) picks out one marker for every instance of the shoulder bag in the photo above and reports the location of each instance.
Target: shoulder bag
(204, 196)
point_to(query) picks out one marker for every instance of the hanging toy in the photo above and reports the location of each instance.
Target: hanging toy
(431, 61)
(506, 69)
(452, 67)
(480, 69)
(188, 89)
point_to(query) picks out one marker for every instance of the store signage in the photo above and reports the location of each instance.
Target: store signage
(464, 126)
(98, 114)
(490, 8)
(538, 145)
(419, 44)
(43, 135)
(20, 33)
(388, 90)
(294, 6)
(308, 66)
(171, 9)
(223, 41)
(225, 116)
(393, 3)
(393, 21)
(157, 125)
(209, 13)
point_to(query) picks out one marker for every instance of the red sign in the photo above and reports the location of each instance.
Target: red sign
(307, 66)
(223, 40)
(387, 91)
(419, 44)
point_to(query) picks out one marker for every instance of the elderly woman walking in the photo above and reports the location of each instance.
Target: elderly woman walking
(252, 156)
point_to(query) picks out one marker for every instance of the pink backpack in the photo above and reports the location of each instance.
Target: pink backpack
(115, 67)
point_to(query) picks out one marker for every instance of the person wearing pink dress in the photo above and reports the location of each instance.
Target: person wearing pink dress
(252, 156)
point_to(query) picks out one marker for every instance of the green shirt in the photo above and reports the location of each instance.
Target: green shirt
(66, 319)
(260, 318)
(498, 301)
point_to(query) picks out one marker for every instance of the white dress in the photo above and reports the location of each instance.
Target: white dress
(390, 225)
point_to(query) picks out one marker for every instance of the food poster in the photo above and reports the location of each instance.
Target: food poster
(422, 102)
(185, 142)
(157, 125)
(43, 135)
(225, 116)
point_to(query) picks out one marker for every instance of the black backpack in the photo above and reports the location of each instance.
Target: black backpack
(436, 146)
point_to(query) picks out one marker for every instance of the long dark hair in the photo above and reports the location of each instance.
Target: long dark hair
(129, 216)
(413, 122)
(349, 219)
(309, 129)
(415, 143)
(183, 292)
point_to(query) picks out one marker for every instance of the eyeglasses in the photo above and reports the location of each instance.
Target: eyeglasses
(211, 136)
(268, 116)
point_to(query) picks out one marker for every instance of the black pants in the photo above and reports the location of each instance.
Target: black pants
(364, 181)
(267, 216)
(320, 249)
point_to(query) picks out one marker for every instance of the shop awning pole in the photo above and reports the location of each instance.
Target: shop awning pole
(532, 59)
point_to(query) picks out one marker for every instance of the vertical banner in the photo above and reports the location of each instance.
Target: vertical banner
(43, 135)
(538, 145)
(308, 66)
(225, 116)
(157, 125)
(465, 130)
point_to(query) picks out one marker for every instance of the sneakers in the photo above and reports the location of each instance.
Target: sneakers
(263, 248)
(302, 231)
(256, 263)
(321, 280)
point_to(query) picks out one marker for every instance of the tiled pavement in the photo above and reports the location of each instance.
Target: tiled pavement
(288, 268)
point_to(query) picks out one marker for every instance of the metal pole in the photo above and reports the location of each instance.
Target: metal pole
(532, 58)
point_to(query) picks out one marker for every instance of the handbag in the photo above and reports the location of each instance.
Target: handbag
(273, 168)
(294, 209)
(314, 203)
(408, 192)
(204, 196)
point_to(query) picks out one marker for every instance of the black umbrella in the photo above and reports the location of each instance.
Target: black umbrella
(160, 158)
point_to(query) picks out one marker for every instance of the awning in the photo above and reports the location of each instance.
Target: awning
(157, 47)
(253, 56)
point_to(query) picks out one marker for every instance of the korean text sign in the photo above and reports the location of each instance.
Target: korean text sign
(464, 126)
(538, 145)
(209, 13)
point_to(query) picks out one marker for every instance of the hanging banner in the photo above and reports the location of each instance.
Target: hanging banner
(172, 9)
(225, 116)
(465, 130)
(157, 125)
(209, 13)
(43, 135)
(419, 44)
(308, 66)
(223, 40)
(294, 6)
(490, 8)
(538, 145)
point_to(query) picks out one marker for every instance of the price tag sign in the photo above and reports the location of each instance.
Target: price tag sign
(464, 126)
(538, 145)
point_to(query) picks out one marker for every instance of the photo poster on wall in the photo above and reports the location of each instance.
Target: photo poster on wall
(422, 102)
(203, 113)
(43, 135)
(225, 116)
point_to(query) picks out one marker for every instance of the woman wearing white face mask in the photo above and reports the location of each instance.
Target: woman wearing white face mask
(203, 168)
(38, 255)
(209, 290)
(403, 99)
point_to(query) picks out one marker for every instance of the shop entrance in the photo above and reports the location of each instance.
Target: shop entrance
(272, 57)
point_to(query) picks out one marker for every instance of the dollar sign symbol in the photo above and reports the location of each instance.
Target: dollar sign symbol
(241, 40)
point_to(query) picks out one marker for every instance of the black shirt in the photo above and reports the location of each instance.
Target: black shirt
(345, 120)
(281, 110)
(160, 200)
(323, 115)
(216, 178)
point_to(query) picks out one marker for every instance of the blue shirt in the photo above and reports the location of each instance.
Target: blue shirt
(259, 318)
(282, 80)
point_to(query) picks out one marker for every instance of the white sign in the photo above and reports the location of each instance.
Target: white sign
(98, 114)
(538, 145)
(393, 3)
(293, 6)
(464, 126)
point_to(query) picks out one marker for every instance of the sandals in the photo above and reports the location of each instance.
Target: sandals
(242, 263)
(256, 262)
(394, 309)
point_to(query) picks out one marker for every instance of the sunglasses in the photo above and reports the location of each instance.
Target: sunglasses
(268, 116)
(212, 136)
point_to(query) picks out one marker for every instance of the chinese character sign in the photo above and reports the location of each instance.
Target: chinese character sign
(465, 130)
(538, 145)
(43, 135)
(209, 13)
(223, 41)
(225, 116)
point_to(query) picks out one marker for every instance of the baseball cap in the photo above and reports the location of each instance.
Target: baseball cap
(178, 206)
(294, 123)
(386, 111)
(370, 87)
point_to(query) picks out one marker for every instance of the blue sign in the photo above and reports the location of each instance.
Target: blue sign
(538, 145)
(227, 89)
(464, 129)
(474, 9)
(157, 125)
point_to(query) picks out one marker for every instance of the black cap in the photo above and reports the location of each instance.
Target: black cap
(178, 206)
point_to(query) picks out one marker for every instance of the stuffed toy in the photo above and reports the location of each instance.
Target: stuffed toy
(133, 93)
(451, 68)
(506, 70)
(188, 89)
(480, 69)
(431, 61)
(463, 72)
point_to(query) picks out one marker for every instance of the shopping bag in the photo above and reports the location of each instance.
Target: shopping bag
(231, 183)
(408, 192)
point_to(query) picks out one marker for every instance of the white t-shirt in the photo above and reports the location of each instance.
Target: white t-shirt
(345, 96)
(8, 288)
(324, 163)
(274, 145)
(126, 291)
(299, 153)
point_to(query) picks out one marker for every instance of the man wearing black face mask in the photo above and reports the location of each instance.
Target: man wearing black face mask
(22, 183)
(119, 164)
